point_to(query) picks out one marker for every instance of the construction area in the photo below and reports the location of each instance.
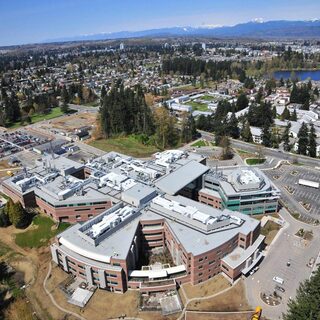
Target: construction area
(69, 124)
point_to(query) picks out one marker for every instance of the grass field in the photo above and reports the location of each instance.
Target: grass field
(231, 300)
(55, 112)
(253, 161)
(210, 287)
(207, 98)
(127, 145)
(42, 230)
(199, 143)
(198, 106)
(269, 230)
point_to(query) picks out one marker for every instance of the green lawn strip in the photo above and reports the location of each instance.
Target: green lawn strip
(207, 98)
(127, 145)
(253, 161)
(242, 151)
(199, 143)
(198, 106)
(40, 235)
(54, 113)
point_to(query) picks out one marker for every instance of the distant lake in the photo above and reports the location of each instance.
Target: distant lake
(301, 75)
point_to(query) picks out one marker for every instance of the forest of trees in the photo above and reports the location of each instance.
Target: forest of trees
(124, 111)
(211, 70)
(307, 144)
(78, 94)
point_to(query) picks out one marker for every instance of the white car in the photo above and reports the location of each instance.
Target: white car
(278, 280)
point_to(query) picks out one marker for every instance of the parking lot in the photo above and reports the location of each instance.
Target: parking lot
(287, 247)
(16, 141)
(286, 178)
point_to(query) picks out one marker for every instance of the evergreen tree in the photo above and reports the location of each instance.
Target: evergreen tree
(246, 132)
(188, 129)
(274, 112)
(312, 147)
(259, 95)
(286, 138)
(4, 219)
(303, 139)
(306, 105)
(226, 148)
(285, 114)
(9, 208)
(202, 123)
(233, 127)
(294, 94)
(65, 107)
(242, 102)
(18, 216)
(281, 82)
(294, 115)
(65, 95)
(266, 135)
(306, 304)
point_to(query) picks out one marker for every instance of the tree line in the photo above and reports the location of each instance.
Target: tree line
(124, 111)
(214, 70)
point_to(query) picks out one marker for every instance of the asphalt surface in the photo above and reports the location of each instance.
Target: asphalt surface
(287, 246)
(268, 152)
(288, 176)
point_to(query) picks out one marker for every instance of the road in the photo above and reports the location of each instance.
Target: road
(268, 152)
(287, 246)
(83, 108)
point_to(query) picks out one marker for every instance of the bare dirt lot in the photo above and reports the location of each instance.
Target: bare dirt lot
(210, 287)
(4, 167)
(218, 316)
(73, 122)
(232, 300)
(103, 305)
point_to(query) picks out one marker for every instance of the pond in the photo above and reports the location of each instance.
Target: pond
(301, 75)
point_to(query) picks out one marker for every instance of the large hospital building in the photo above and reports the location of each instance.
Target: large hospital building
(121, 208)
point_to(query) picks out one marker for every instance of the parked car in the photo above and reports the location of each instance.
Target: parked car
(278, 280)
(281, 289)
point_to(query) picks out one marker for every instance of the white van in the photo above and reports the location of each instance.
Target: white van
(278, 280)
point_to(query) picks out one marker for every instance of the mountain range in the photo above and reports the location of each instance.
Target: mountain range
(259, 29)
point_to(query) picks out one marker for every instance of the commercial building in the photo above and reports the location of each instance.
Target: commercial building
(243, 189)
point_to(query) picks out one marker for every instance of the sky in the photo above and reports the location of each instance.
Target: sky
(30, 21)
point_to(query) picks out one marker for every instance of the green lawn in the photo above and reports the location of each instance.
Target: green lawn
(198, 106)
(43, 230)
(55, 112)
(199, 143)
(242, 151)
(207, 98)
(254, 161)
(93, 104)
(127, 145)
